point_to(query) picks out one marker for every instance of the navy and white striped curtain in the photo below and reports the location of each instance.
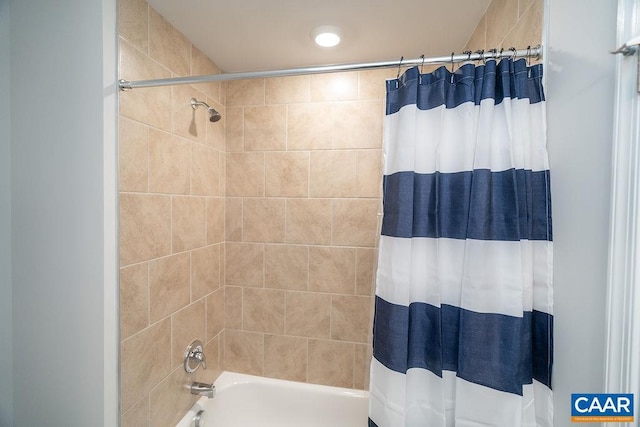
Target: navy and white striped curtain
(463, 330)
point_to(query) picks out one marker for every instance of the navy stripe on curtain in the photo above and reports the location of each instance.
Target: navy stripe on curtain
(495, 350)
(510, 205)
(507, 79)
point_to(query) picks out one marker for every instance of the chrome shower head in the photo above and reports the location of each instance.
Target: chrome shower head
(214, 116)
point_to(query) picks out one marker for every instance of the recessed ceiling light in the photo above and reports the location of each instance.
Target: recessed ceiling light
(326, 35)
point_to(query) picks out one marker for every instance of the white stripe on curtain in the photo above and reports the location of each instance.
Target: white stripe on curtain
(463, 329)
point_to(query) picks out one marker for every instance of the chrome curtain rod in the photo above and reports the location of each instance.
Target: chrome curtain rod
(533, 52)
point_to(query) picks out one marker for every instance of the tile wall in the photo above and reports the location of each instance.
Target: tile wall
(508, 23)
(171, 162)
(303, 173)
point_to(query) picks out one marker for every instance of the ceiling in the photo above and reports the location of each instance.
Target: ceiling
(252, 35)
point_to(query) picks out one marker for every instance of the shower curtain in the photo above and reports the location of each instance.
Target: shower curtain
(463, 329)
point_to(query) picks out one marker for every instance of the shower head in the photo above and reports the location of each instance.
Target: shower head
(214, 116)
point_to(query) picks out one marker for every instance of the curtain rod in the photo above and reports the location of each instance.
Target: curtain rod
(531, 52)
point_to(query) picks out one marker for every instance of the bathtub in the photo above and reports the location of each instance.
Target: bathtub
(250, 401)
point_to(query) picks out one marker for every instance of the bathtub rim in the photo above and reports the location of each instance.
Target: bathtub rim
(228, 379)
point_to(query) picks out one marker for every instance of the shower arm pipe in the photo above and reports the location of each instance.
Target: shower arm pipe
(534, 52)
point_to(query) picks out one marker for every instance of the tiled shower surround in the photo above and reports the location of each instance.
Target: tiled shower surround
(255, 234)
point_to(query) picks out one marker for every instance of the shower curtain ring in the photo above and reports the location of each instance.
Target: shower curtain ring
(452, 67)
(500, 54)
(529, 56)
(468, 52)
(481, 53)
(515, 53)
(399, 65)
(422, 66)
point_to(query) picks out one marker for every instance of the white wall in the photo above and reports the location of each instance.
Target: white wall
(61, 350)
(6, 378)
(580, 83)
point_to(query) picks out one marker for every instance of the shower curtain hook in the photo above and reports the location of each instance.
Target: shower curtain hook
(481, 53)
(529, 56)
(452, 67)
(494, 53)
(500, 54)
(399, 65)
(422, 66)
(468, 52)
(515, 53)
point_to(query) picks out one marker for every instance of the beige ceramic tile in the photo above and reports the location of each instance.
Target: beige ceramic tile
(528, 32)
(355, 222)
(234, 130)
(244, 264)
(332, 270)
(308, 314)
(477, 41)
(501, 16)
(265, 128)
(150, 106)
(145, 359)
(263, 220)
(133, 156)
(369, 173)
(372, 83)
(334, 86)
(523, 7)
(216, 131)
(187, 325)
(287, 90)
(170, 400)
(308, 221)
(365, 271)
(188, 223)
(201, 65)
(232, 307)
(214, 369)
(350, 318)
(145, 227)
(263, 310)
(333, 174)
(138, 415)
(168, 285)
(286, 267)
(309, 127)
(361, 366)
(244, 352)
(223, 274)
(245, 174)
(287, 174)
(134, 299)
(205, 171)
(215, 313)
(169, 163)
(285, 357)
(215, 220)
(205, 271)
(185, 121)
(233, 219)
(358, 124)
(133, 23)
(167, 45)
(330, 363)
(241, 93)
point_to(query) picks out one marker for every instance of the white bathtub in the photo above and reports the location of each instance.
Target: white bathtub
(249, 401)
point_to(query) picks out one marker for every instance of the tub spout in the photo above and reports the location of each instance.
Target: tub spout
(203, 389)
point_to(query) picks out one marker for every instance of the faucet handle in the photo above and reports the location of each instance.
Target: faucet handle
(194, 357)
